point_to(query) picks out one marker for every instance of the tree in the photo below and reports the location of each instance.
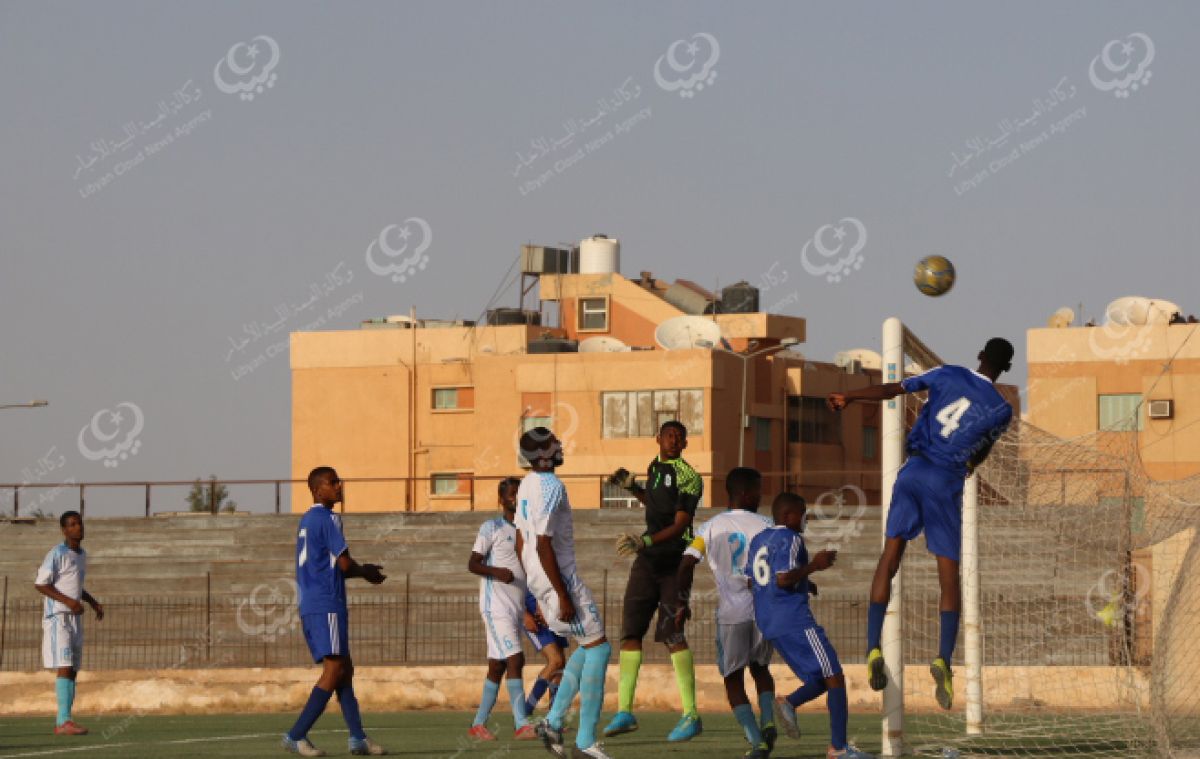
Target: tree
(201, 496)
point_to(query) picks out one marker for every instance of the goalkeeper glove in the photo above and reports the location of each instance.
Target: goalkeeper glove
(623, 478)
(629, 544)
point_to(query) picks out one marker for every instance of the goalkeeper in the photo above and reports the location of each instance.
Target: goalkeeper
(670, 494)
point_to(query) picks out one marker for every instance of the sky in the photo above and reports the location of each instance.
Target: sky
(186, 183)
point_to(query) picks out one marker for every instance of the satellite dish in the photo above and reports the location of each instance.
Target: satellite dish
(1061, 319)
(866, 358)
(602, 345)
(683, 332)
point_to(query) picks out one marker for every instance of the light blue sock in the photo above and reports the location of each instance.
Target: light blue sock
(490, 691)
(766, 707)
(566, 689)
(516, 697)
(745, 718)
(64, 689)
(591, 692)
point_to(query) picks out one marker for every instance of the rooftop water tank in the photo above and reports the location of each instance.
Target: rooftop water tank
(599, 254)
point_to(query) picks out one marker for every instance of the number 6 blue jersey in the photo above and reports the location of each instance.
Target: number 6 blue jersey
(963, 413)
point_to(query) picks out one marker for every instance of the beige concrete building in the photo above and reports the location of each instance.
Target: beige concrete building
(425, 415)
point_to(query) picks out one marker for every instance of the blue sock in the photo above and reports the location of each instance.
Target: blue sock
(486, 702)
(806, 693)
(516, 697)
(839, 713)
(875, 614)
(766, 707)
(535, 694)
(317, 700)
(64, 690)
(349, 704)
(745, 717)
(566, 689)
(553, 691)
(591, 692)
(949, 635)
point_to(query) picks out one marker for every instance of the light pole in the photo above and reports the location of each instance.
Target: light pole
(786, 342)
(31, 404)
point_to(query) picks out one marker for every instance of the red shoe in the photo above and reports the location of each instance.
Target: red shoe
(70, 727)
(481, 733)
(526, 733)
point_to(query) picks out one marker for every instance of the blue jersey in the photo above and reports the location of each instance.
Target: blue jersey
(778, 611)
(319, 543)
(963, 413)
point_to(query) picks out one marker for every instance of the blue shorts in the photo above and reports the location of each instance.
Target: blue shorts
(808, 653)
(928, 497)
(327, 634)
(545, 636)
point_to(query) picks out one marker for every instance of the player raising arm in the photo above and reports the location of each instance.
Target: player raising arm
(963, 416)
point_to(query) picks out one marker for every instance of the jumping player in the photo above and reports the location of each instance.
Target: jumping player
(322, 565)
(962, 418)
(671, 494)
(60, 580)
(724, 539)
(778, 570)
(546, 545)
(502, 606)
(551, 647)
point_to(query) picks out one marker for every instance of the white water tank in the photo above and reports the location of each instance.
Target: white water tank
(599, 254)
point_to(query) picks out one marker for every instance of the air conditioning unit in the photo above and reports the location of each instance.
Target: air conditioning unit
(1164, 409)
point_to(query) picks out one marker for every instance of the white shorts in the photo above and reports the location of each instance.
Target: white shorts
(62, 641)
(587, 626)
(740, 645)
(504, 628)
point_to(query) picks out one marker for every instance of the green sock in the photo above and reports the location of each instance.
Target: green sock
(685, 677)
(631, 662)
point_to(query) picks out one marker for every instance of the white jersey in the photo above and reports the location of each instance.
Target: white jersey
(543, 509)
(497, 543)
(64, 569)
(725, 540)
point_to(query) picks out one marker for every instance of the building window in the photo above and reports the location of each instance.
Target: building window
(453, 398)
(447, 484)
(870, 443)
(762, 434)
(1121, 413)
(640, 413)
(811, 421)
(593, 314)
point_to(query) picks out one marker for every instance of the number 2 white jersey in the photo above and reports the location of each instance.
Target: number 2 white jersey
(543, 509)
(725, 541)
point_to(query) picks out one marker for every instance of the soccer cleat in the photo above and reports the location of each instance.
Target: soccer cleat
(481, 733)
(785, 714)
(761, 751)
(688, 727)
(552, 737)
(70, 727)
(622, 722)
(875, 673)
(525, 733)
(594, 751)
(770, 735)
(302, 747)
(850, 752)
(366, 747)
(945, 682)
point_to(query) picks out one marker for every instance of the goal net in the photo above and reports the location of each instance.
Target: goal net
(1080, 632)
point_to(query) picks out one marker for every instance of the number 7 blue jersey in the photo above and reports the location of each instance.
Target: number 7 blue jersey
(963, 413)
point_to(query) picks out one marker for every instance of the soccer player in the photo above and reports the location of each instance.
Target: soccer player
(550, 646)
(778, 569)
(671, 494)
(724, 540)
(962, 418)
(322, 565)
(502, 606)
(546, 545)
(60, 580)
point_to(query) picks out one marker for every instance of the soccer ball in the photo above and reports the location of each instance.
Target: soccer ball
(934, 275)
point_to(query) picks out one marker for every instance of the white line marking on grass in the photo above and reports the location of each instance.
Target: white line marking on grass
(179, 741)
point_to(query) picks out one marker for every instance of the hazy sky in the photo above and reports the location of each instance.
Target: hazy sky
(161, 234)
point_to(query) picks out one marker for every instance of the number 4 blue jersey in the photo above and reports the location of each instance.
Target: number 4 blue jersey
(963, 413)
